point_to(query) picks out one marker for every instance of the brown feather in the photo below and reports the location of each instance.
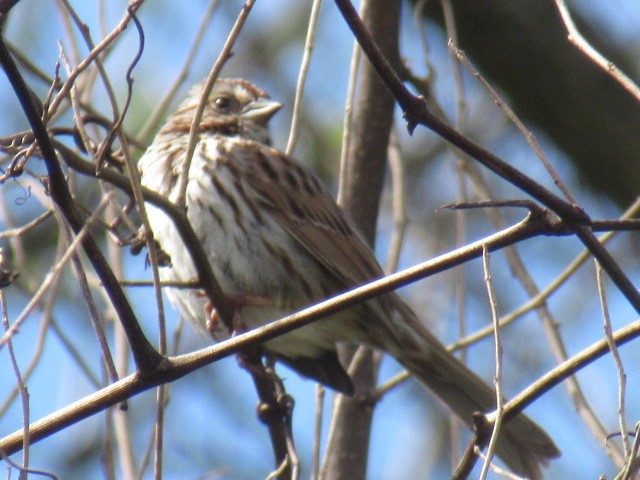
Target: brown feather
(312, 217)
(273, 232)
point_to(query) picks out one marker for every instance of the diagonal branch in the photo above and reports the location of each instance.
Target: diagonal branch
(174, 368)
(145, 355)
(417, 113)
(206, 279)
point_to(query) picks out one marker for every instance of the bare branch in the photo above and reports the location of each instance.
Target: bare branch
(585, 47)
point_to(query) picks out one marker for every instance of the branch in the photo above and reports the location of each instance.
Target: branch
(361, 191)
(206, 279)
(146, 357)
(575, 37)
(417, 113)
(173, 368)
(518, 403)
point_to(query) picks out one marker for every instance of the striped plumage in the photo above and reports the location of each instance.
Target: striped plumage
(277, 242)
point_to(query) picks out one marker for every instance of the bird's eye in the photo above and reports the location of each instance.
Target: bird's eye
(223, 103)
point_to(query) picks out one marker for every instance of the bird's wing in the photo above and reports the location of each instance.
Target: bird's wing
(303, 207)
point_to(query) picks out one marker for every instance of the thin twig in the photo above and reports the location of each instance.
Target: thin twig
(317, 432)
(583, 45)
(526, 133)
(145, 355)
(19, 231)
(51, 277)
(39, 343)
(498, 359)
(501, 472)
(158, 111)
(398, 203)
(25, 471)
(541, 297)
(633, 462)
(92, 309)
(68, 28)
(461, 217)
(416, 113)
(22, 388)
(177, 367)
(568, 368)
(194, 130)
(348, 120)
(77, 111)
(294, 132)
(119, 418)
(84, 31)
(159, 433)
(89, 59)
(622, 377)
(452, 34)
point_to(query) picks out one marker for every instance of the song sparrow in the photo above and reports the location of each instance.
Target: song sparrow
(277, 242)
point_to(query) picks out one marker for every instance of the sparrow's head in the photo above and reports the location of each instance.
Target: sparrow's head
(235, 108)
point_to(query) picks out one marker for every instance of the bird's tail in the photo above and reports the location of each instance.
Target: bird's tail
(522, 445)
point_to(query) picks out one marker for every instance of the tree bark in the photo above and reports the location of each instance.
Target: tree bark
(373, 118)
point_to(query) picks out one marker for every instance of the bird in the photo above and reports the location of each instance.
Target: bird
(277, 242)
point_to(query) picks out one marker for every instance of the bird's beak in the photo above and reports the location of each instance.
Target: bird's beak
(261, 111)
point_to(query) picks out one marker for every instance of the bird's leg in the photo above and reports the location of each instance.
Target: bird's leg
(238, 302)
